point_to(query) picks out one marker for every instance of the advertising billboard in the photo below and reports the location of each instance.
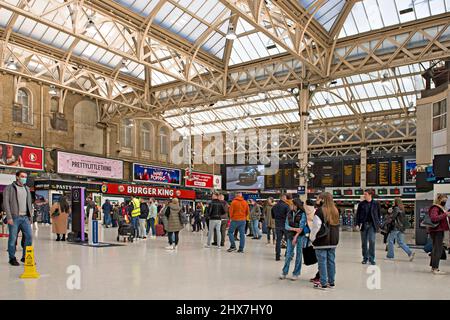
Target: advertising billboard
(21, 157)
(200, 180)
(146, 191)
(217, 182)
(245, 177)
(410, 170)
(90, 166)
(159, 175)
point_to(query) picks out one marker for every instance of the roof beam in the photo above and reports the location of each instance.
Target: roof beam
(337, 26)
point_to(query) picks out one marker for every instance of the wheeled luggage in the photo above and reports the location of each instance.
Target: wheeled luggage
(125, 231)
(159, 228)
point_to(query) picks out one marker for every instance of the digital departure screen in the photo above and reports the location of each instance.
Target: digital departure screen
(348, 174)
(371, 173)
(396, 172)
(383, 173)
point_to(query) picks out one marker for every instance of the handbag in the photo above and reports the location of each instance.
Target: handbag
(309, 254)
(55, 213)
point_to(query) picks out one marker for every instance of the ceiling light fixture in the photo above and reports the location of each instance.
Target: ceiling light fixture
(90, 26)
(123, 66)
(231, 34)
(11, 64)
(53, 91)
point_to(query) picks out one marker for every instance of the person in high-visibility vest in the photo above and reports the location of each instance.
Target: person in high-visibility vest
(135, 215)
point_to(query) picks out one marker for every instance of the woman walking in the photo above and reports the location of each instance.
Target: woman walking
(326, 241)
(174, 223)
(397, 218)
(296, 228)
(268, 220)
(59, 213)
(438, 215)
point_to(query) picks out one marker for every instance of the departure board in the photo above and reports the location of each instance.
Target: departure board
(383, 173)
(396, 172)
(357, 175)
(278, 179)
(288, 174)
(269, 182)
(348, 174)
(371, 173)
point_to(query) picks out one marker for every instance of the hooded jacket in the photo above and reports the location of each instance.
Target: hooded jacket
(437, 214)
(239, 210)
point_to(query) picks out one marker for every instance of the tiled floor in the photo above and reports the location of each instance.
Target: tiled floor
(145, 270)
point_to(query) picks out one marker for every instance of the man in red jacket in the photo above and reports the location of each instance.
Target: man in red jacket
(239, 212)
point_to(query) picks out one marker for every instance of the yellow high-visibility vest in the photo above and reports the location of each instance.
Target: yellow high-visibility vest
(136, 208)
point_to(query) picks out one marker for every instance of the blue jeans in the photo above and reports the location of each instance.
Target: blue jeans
(46, 217)
(327, 266)
(20, 223)
(240, 225)
(400, 236)
(135, 223)
(290, 255)
(255, 229)
(107, 218)
(368, 235)
(151, 225)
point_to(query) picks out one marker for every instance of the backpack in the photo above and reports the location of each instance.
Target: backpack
(427, 222)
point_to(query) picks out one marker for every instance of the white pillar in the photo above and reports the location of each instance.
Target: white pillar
(303, 103)
(363, 181)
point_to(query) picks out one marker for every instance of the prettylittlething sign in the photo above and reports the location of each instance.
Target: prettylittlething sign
(82, 165)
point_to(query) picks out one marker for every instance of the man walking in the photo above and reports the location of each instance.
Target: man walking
(215, 213)
(224, 223)
(107, 209)
(368, 221)
(239, 211)
(18, 206)
(279, 214)
(135, 213)
(153, 212)
(143, 219)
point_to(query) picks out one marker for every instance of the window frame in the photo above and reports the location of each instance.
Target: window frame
(439, 118)
(25, 107)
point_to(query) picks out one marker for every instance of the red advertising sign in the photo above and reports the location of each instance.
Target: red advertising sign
(146, 191)
(21, 157)
(200, 180)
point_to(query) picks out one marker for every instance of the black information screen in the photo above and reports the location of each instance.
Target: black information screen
(348, 174)
(441, 166)
(383, 173)
(269, 182)
(396, 172)
(357, 175)
(371, 172)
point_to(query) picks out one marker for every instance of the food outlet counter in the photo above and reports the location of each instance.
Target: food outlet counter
(120, 192)
(52, 190)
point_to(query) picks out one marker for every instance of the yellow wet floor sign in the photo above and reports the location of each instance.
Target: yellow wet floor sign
(30, 267)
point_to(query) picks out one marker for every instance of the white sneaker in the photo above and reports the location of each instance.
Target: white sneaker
(282, 276)
(219, 247)
(294, 278)
(411, 257)
(207, 246)
(439, 272)
(169, 247)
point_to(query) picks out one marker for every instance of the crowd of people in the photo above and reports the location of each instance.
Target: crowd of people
(309, 231)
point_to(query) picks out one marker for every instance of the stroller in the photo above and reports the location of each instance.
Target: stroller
(125, 230)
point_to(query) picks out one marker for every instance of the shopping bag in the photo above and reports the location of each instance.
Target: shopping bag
(309, 254)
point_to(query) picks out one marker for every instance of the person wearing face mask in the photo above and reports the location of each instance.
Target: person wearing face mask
(17, 203)
(438, 214)
(368, 221)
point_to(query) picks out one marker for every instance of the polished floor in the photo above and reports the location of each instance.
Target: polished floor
(145, 270)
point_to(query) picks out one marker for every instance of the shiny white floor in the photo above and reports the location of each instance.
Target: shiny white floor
(145, 270)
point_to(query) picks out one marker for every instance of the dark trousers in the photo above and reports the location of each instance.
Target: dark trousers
(437, 238)
(197, 226)
(223, 230)
(280, 233)
(170, 235)
(247, 226)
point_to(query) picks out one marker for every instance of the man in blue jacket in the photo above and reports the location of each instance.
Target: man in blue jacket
(279, 214)
(368, 221)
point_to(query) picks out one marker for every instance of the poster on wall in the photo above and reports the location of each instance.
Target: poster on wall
(217, 182)
(90, 166)
(159, 175)
(410, 170)
(200, 180)
(21, 157)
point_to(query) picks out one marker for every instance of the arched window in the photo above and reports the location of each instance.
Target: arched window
(54, 104)
(127, 132)
(146, 131)
(164, 141)
(24, 112)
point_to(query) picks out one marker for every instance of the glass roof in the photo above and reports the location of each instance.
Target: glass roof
(371, 15)
(360, 94)
(327, 14)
